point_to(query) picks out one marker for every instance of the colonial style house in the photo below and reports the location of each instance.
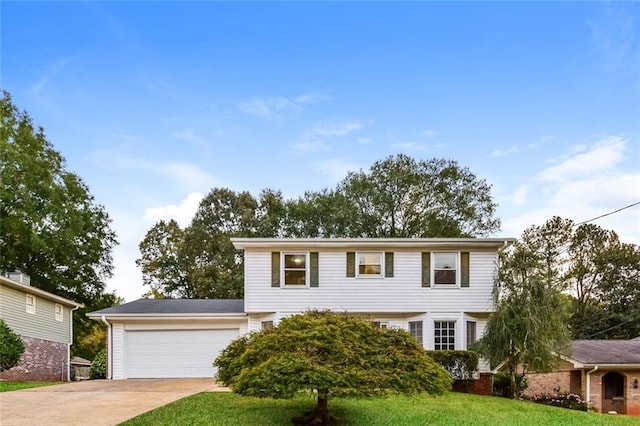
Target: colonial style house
(439, 289)
(45, 323)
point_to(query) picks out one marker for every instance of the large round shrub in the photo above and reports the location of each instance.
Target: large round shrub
(11, 347)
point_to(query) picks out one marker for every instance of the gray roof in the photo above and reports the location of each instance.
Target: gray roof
(175, 306)
(615, 352)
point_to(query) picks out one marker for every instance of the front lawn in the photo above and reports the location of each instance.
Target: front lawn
(13, 386)
(454, 408)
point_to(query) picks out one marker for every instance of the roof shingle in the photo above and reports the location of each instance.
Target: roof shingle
(618, 352)
(176, 306)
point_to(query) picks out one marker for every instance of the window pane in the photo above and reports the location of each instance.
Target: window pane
(370, 263)
(444, 277)
(295, 277)
(445, 260)
(295, 261)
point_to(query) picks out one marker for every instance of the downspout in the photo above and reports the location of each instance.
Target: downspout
(109, 347)
(70, 343)
(588, 393)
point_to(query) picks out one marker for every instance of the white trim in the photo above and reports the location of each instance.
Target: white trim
(307, 268)
(30, 304)
(293, 243)
(37, 292)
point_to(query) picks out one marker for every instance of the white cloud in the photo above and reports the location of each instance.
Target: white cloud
(504, 152)
(272, 106)
(182, 212)
(602, 156)
(409, 146)
(189, 135)
(587, 182)
(336, 168)
(315, 138)
(430, 134)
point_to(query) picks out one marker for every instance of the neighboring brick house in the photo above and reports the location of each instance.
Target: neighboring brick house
(438, 289)
(45, 323)
(604, 372)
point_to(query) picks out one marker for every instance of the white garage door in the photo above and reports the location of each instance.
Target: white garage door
(174, 353)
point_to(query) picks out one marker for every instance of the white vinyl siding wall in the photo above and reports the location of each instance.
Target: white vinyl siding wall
(401, 293)
(42, 324)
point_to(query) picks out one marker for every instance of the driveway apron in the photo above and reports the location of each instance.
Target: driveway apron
(95, 402)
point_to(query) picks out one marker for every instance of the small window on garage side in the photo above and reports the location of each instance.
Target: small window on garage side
(31, 304)
(59, 312)
(267, 324)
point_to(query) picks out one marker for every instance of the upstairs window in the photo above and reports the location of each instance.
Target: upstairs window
(59, 312)
(31, 304)
(445, 266)
(295, 269)
(370, 264)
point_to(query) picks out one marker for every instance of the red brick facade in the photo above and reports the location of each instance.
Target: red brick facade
(567, 380)
(481, 386)
(42, 361)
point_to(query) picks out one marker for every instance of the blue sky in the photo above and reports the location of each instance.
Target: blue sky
(155, 103)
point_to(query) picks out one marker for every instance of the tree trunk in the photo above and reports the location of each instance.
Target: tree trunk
(512, 381)
(320, 416)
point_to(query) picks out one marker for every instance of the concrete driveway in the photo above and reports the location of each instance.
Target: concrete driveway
(95, 402)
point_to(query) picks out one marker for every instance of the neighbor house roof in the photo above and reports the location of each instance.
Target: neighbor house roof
(243, 243)
(606, 352)
(27, 288)
(173, 307)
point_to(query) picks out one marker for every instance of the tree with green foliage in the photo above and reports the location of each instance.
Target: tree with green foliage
(402, 197)
(199, 261)
(11, 347)
(529, 327)
(98, 369)
(604, 277)
(329, 354)
(51, 226)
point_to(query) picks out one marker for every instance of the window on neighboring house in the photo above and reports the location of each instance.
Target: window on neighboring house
(370, 264)
(267, 324)
(471, 333)
(444, 335)
(31, 304)
(445, 267)
(415, 328)
(59, 314)
(295, 269)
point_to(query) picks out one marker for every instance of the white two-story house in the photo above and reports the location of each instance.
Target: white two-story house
(439, 289)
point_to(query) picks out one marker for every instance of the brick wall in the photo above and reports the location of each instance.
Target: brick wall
(548, 383)
(481, 386)
(631, 404)
(42, 361)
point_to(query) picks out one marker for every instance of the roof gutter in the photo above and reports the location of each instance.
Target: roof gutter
(109, 346)
(588, 392)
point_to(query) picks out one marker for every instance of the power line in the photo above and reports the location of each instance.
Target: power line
(608, 214)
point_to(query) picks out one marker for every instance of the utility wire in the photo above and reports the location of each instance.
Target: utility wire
(607, 214)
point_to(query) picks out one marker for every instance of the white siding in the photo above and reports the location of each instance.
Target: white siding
(402, 293)
(117, 351)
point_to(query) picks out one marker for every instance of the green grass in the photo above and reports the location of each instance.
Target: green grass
(454, 408)
(13, 386)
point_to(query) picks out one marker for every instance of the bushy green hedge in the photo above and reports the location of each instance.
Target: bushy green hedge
(98, 369)
(460, 364)
(11, 347)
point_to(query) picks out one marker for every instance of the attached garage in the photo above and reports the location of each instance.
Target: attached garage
(174, 353)
(169, 338)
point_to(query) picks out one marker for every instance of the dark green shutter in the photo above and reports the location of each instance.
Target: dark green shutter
(275, 269)
(388, 264)
(464, 269)
(426, 269)
(314, 269)
(351, 264)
